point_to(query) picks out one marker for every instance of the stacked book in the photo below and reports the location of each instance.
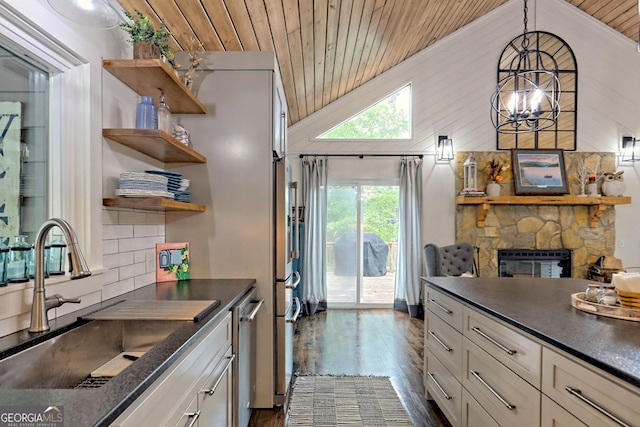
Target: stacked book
(176, 185)
(142, 184)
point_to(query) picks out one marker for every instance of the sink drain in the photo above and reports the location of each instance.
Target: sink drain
(93, 382)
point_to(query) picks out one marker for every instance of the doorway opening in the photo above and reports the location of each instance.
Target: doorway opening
(362, 236)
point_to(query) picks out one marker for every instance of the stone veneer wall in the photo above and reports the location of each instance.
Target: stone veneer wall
(535, 226)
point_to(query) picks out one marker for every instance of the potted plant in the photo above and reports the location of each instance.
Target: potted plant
(146, 40)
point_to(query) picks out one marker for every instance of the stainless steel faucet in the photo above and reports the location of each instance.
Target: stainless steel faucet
(78, 267)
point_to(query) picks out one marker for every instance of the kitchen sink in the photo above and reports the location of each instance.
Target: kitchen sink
(69, 359)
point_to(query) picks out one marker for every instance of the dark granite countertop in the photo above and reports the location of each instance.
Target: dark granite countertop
(99, 407)
(542, 308)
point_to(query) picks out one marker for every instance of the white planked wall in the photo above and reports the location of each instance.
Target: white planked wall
(452, 86)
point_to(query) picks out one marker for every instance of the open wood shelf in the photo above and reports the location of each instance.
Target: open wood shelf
(152, 77)
(155, 143)
(151, 203)
(597, 205)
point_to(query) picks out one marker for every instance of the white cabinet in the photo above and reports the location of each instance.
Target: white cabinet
(589, 393)
(553, 415)
(169, 400)
(473, 414)
(215, 402)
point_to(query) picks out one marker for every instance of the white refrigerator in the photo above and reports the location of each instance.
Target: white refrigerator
(247, 190)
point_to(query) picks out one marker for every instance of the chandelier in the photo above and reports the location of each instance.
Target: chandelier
(527, 99)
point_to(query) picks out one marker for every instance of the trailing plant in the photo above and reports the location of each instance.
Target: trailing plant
(141, 29)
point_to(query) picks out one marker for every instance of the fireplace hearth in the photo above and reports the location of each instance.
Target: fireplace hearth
(551, 263)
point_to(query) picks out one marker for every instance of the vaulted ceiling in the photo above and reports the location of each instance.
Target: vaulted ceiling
(326, 48)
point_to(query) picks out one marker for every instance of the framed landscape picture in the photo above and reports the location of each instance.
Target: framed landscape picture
(172, 261)
(537, 172)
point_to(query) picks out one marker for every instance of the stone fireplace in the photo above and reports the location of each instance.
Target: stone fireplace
(536, 226)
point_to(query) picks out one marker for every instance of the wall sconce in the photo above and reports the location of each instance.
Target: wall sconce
(630, 149)
(444, 149)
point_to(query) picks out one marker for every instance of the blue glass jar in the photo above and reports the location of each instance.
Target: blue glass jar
(18, 262)
(146, 114)
(57, 252)
(4, 255)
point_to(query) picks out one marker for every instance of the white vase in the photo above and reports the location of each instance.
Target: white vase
(493, 189)
(613, 188)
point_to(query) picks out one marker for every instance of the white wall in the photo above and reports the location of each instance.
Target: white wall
(452, 86)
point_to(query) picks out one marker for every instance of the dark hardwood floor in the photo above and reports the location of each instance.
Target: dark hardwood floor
(363, 342)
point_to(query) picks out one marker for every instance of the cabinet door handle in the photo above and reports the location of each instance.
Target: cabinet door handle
(224, 371)
(492, 341)
(495, 393)
(439, 341)
(194, 417)
(444, 393)
(445, 309)
(294, 319)
(577, 393)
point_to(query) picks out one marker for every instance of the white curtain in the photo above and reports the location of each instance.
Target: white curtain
(409, 262)
(314, 275)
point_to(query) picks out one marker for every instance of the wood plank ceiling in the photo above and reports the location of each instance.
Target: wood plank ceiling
(326, 48)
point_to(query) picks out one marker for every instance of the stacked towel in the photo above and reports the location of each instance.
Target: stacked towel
(176, 185)
(627, 282)
(141, 184)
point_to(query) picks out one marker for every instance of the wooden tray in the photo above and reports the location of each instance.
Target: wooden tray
(615, 311)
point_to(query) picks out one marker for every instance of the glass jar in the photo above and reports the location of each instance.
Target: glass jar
(164, 116)
(592, 294)
(32, 260)
(4, 254)
(609, 295)
(18, 262)
(55, 263)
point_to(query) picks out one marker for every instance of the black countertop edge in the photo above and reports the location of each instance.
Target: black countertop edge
(99, 407)
(582, 355)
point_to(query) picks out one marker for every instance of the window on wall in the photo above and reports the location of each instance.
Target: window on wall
(389, 118)
(24, 144)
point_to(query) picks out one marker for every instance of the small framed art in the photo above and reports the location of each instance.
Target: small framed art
(172, 261)
(539, 172)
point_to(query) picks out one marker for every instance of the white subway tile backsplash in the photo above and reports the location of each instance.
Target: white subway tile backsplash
(109, 246)
(132, 270)
(118, 259)
(139, 243)
(145, 279)
(117, 231)
(118, 288)
(133, 217)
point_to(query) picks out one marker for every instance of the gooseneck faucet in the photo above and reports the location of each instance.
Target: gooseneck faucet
(78, 267)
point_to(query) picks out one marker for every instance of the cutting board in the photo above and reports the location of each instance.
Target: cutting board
(116, 365)
(191, 310)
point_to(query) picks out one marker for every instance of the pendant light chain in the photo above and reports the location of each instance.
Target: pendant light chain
(525, 38)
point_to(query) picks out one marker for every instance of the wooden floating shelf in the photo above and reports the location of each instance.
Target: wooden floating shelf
(152, 203)
(155, 143)
(597, 205)
(152, 77)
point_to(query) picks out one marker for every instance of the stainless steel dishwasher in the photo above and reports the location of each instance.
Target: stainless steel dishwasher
(243, 344)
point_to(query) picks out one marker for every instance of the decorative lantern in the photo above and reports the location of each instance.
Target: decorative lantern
(470, 176)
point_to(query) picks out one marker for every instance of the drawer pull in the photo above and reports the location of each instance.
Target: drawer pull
(439, 341)
(212, 390)
(194, 417)
(444, 393)
(494, 342)
(577, 393)
(445, 309)
(495, 393)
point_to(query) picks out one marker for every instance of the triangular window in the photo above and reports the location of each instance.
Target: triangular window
(389, 118)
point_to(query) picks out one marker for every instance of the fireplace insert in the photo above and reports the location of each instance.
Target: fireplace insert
(546, 263)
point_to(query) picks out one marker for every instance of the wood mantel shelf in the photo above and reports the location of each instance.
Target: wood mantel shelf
(152, 77)
(597, 205)
(155, 143)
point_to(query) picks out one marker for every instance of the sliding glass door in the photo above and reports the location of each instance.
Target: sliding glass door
(362, 229)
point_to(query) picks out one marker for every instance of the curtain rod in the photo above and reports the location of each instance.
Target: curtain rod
(361, 155)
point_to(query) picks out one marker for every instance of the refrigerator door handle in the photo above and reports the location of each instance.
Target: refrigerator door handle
(294, 319)
(296, 282)
(296, 229)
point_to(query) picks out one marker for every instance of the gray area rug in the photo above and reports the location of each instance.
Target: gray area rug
(328, 400)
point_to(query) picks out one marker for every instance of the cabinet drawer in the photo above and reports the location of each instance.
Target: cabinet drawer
(444, 388)
(445, 307)
(190, 414)
(553, 415)
(509, 399)
(177, 386)
(588, 393)
(515, 350)
(444, 342)
(473, 414)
